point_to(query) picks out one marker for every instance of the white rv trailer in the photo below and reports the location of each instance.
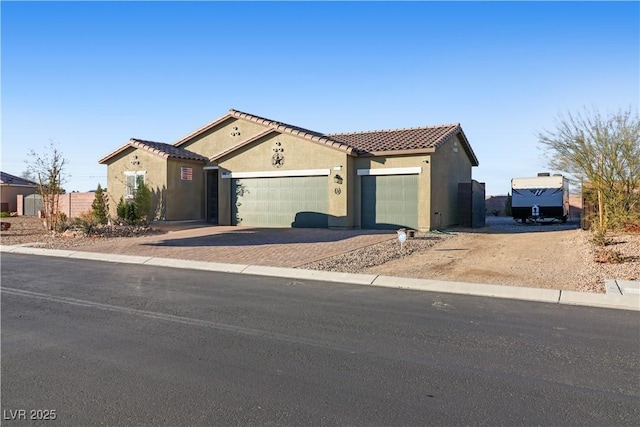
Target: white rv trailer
(540, 198)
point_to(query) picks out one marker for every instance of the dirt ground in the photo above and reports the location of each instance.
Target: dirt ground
(558, 256)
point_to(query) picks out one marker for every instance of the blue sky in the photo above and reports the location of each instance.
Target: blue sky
(90, 75)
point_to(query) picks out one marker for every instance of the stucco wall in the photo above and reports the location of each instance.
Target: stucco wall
(298, 154)
(223, 136)
(155, 178)
(185, 199)
(424, 183)
(448, 168)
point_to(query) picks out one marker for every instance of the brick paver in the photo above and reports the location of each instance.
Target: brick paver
(278, 247)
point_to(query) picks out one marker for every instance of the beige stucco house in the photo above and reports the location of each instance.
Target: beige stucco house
(11, 187)
(242, 169)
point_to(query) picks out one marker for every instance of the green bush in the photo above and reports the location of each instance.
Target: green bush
(100, 206)
(600, 238)
(5, 215)
(127, 211)
(142, 202)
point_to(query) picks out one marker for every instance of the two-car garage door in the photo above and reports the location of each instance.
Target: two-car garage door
(299, 201)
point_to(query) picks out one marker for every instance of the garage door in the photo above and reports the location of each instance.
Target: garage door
(280, 202)
(390, 201)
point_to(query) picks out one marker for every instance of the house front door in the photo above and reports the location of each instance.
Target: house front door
(212, 196)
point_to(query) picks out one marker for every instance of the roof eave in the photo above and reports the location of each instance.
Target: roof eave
(8, 184)
(105, 159)
(412, 151)
(468, 149)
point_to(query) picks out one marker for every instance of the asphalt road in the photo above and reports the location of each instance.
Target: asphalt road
(116, 344)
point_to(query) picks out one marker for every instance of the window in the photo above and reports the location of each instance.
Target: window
(133, 181)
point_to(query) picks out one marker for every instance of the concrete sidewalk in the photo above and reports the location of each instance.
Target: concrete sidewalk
(627, 299)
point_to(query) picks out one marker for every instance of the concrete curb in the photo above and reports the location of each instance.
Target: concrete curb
(626, 302)
(475, 289)
(196, 265)
(296, 273)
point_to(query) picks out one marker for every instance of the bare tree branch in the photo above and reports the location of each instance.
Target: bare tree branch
(605, 152)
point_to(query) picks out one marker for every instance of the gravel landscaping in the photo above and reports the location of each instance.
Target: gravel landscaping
(558, 256)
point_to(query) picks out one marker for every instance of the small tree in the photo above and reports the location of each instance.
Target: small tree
(100, 206)
(604, 152)
(142, 201)
(48, 169)
(127, 211)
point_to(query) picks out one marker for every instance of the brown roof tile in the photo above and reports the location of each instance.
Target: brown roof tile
(427, 138)
(167, 150)
(397, 139)
(161, 149)
(294, 130)
(380, 142)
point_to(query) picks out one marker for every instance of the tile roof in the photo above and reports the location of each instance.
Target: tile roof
(7, 178)
(294, 130)
(397, 139)
(372, 143)
(427, 138)
(166, 150)
(161, 149)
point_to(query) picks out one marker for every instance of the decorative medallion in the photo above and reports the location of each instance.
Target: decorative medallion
(337, 190)
(277, 160)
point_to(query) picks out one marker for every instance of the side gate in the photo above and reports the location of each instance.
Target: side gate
(32, 204)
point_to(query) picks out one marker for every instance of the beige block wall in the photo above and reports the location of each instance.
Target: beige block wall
(155, 179)
(448, 168)
(424, 183)
(185, 199)
(74, 204)
(298, 154)
(223, 136)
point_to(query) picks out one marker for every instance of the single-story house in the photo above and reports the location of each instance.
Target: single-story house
(10, 187)
(243, 169)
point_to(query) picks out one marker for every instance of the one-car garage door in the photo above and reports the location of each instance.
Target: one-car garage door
(280, 202)
(390, 201)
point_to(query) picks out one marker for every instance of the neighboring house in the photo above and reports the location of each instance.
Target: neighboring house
(10, 187)
(242, 169)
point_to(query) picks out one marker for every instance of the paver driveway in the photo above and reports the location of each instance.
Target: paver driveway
(278, 247)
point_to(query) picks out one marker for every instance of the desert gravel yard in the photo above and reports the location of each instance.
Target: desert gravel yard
(557, 256)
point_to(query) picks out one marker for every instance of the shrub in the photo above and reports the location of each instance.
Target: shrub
(5, 215)
(100, 206)
(127, 211)
(600, 238)
(608, 256)
(142, 202)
